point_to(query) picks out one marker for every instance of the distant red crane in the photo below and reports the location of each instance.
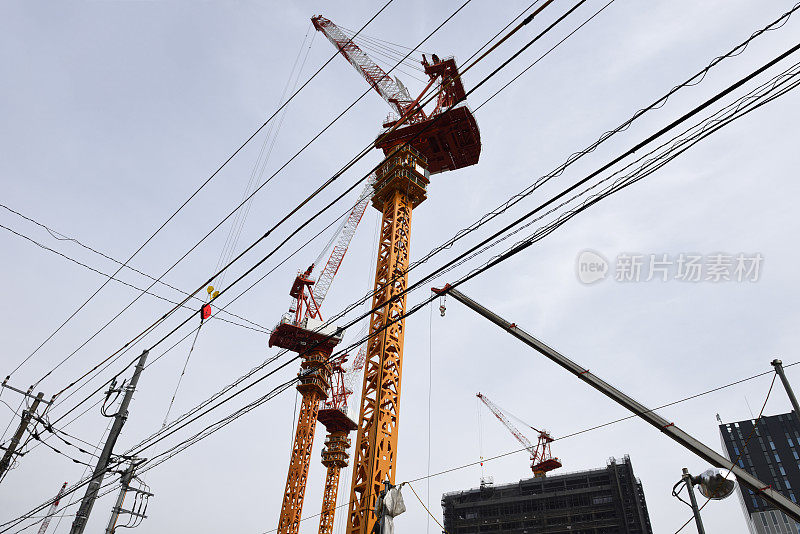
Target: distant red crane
(542, 460)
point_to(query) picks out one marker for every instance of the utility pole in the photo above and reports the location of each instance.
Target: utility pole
(687, 478)
(759, 487)
(121, 416)
(23, 426)
(127, 476)
(778, 365)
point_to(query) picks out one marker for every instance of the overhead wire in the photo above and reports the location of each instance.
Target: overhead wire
(257, 328)
(413, 310)
(494, 262)
(565, 436)
(519, 26)
(211, 177)
(275, 226)
(744, 448)
(657, 104)
(559, 438)
(730, 54)
(528, 19)
(62, 237)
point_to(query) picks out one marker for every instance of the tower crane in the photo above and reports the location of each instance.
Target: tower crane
(321, 379)
(542, 460)
(416, 144)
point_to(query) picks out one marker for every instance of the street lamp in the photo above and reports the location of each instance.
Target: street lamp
(713, 485)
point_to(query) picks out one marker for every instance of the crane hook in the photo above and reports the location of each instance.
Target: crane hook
(442, 305)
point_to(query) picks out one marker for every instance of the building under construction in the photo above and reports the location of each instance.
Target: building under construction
(600, 501)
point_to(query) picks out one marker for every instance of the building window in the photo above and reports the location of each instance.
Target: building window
(782, 470)
(786, 481)
(791, 496)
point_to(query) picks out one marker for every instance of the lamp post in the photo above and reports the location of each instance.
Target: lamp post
(712, 483)
(687, 479)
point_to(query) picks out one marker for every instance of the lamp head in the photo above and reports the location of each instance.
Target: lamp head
(716, 484)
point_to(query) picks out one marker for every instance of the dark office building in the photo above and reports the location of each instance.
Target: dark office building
(608, 500)
(773, 455)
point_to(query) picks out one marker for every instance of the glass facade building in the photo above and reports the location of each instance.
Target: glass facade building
(770, 451)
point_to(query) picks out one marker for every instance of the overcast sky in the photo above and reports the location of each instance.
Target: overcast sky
(113, 112)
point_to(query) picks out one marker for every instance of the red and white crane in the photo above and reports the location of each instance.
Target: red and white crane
(453, 141)
(52, 511)
(542, 460)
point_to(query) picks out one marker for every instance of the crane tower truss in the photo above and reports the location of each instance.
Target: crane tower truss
(399, 188)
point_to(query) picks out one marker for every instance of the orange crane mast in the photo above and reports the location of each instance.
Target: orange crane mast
(417, 144)
(542, 460)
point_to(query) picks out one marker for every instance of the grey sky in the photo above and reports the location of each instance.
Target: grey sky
(113, 112)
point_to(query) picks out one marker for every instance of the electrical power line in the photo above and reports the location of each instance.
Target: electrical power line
(549, 229)
(712, 62)
(364, 151)
(594, 201)
(197, 191)
(62, 237)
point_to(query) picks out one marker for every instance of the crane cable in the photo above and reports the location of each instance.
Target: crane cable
(239, 220)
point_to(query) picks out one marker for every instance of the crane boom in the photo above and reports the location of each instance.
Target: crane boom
(503, 419)
(395, 94)
(345, 234)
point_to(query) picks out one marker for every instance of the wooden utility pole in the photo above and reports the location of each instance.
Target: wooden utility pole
(27, 415)
(100, 469)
